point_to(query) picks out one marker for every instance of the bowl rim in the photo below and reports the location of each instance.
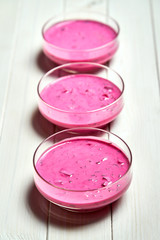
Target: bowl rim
(63, 19)
(77, 129)
(77, 63)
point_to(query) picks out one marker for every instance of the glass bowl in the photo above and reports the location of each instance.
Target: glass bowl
(82, 196)
(93, 39)
(80, 105)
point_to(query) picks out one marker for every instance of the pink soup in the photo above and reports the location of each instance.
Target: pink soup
(80, 40)
(82, 173)
(80, 100)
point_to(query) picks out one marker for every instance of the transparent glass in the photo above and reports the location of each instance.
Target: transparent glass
(93, 118)
(99, 54)
(85, 200)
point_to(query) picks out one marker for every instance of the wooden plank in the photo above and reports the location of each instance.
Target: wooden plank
(155, 18)
(67, 225)
(136, 216)
(24, 213)
(7, 42)
(100, 6)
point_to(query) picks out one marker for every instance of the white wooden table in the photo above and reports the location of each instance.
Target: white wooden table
(24, 213)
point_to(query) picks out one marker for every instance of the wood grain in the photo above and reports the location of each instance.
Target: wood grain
(20, 217)
(138, 124)
(24, 213)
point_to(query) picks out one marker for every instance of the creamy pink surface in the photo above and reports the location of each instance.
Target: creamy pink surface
(80, 40)
(80, 93)
(79, 34)
(83, 173)
(80, 100)
(82, 164)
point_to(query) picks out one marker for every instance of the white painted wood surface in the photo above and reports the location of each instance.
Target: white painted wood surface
(24, 214)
